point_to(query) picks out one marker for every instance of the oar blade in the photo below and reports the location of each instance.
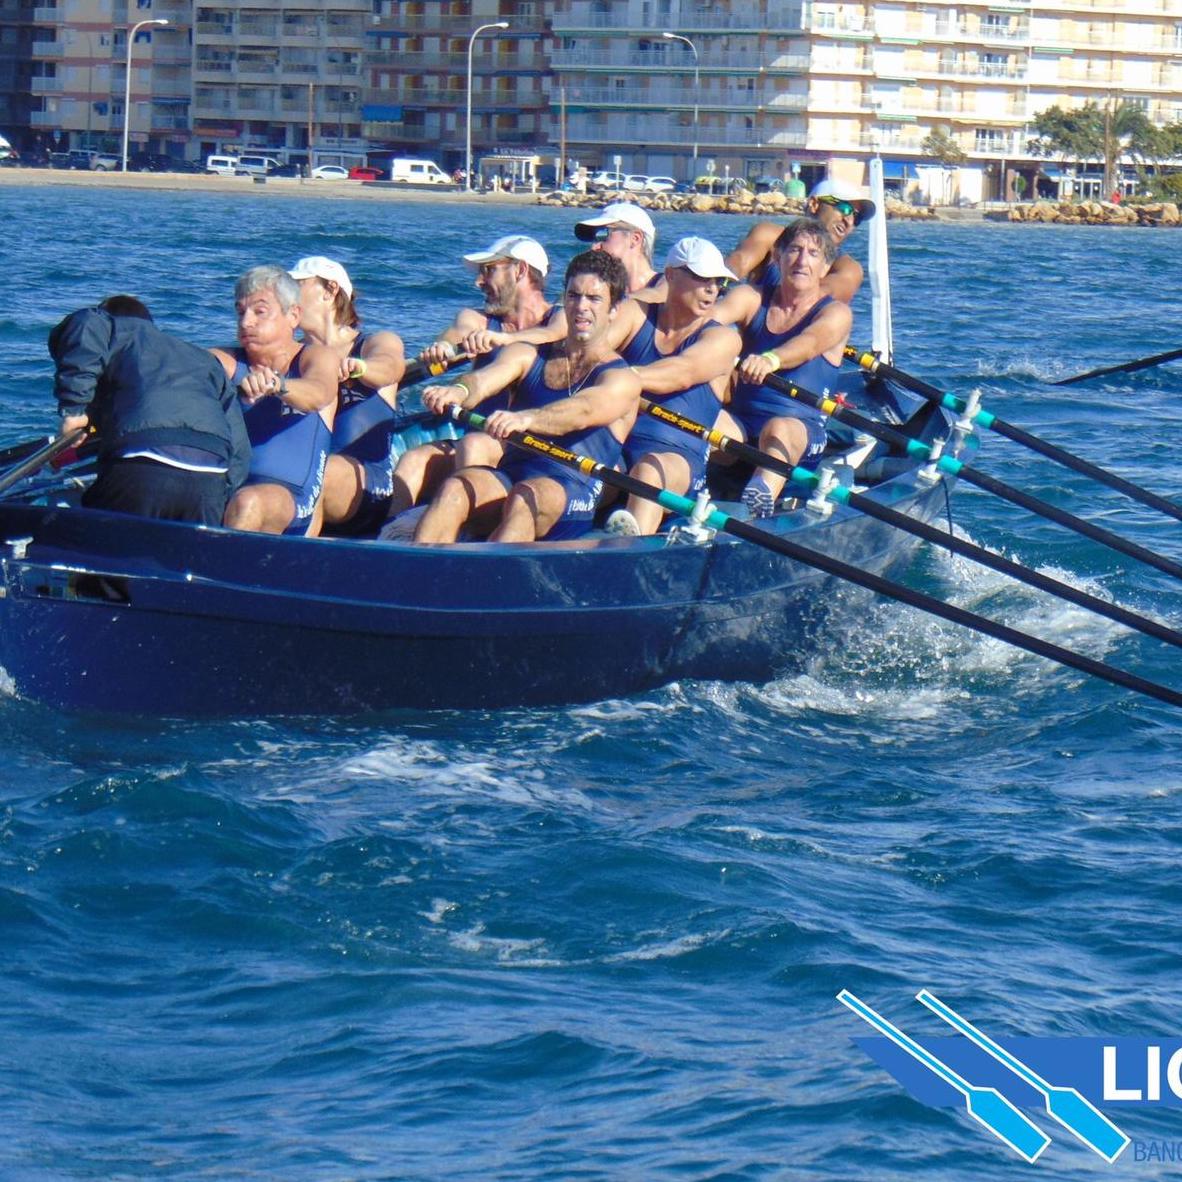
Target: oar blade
(1078, 1114)
(990, 1108)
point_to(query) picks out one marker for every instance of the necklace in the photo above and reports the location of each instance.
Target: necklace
(573, 387)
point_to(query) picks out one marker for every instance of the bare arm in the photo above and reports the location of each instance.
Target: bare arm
(826, 335)
(754, 249)
(737, 307)
(485, 340)
(446, 344)
(381, 363)
(615, 398)
(316, 387)
(711, 356)
(511, 365)
(844, 279)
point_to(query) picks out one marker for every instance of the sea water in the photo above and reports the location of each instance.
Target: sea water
(606, 941)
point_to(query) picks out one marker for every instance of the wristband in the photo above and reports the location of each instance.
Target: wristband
(773, 359)
(282, 391)
(358, 366)
(462, 385)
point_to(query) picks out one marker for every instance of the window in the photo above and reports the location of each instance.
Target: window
(989, 139)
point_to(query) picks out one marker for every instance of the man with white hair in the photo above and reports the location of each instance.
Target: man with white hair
(839, 208)
(627, 232)
(289, 397)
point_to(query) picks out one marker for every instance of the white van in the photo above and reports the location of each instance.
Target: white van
(419, 172)
(255, 165)
(222, 165)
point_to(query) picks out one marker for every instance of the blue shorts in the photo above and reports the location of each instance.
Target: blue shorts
(754, 423)
(694, 453)
(582, 495)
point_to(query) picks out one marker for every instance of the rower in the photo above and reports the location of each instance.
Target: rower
(289, 395)
(684, 359)
(511, 275)
(358, 478)
(839, 208)
(799, 330)
(578, 392)
(626, 232)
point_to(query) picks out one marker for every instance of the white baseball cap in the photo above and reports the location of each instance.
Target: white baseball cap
(513, 246)
(316, 266)
(700, 256)
(840, 191)
(609, 215)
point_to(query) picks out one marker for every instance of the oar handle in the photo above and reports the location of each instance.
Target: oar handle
(420, 370)
(41, 457)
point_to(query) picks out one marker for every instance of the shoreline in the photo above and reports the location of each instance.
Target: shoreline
(1043, 212)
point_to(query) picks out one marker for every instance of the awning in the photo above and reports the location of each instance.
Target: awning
(381, 113)
(897, 170)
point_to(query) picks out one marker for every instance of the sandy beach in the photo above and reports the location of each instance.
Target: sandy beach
(243, 186)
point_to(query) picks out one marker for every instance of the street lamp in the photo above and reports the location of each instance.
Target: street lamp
(160, 20)
(468, 153)
(694, 49)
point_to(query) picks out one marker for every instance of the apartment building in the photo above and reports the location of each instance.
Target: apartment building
(775, 87)
(673, 87)
(418, 77)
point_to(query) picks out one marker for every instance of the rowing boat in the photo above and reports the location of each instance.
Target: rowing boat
(106, 612)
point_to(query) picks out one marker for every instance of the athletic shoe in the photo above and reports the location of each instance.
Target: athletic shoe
(623, 524)
(758, 498)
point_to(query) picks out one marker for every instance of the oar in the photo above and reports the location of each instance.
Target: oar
(1072, 1110)
(987, 1106)
(914, 447)
(18, 451)
(419, 371)
(1127, 367)
(717, 519)
(41, 457)
(842, 495)
(984, 418)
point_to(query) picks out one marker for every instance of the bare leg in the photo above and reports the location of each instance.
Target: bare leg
(666, 470)
(344, 484)
(419, 474)
(261, 508)
(532, 508)
(786, 438)
(473, 496)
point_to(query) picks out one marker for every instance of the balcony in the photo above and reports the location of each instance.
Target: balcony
(723, 20)
(998, 70)
(44, 119)
(660, 63)
(666, 98)
(641, 133)
(999, 32)
(46, 16)
(43, 50)
(214, 29)
(457, 63)
(451, 26)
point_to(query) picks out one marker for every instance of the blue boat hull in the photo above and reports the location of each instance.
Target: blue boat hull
(106, 612)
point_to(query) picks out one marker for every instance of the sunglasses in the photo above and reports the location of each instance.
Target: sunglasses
(845, 208)
(605, 232)
(487, 269)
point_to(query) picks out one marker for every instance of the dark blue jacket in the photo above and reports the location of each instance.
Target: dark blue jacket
(143, 388)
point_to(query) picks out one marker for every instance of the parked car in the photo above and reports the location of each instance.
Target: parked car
(255, 165)
(330, 172)
(107, 162)
(366, 172)
(660, 184)
(635, 182)
(605, 179)
(417, 172)
(289, 170)
(221, 165)
(60, 160)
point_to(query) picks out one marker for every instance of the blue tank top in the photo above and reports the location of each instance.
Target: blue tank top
(532, 392)
(819, 375)
(362, 426)
(287, 446)
(501, 401)
(699, 402)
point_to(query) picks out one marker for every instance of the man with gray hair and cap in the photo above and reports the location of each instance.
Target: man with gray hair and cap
(839, 208)
(511, 275)
(627, 232)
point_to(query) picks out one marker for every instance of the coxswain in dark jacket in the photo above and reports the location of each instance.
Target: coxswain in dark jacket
(172, 442)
